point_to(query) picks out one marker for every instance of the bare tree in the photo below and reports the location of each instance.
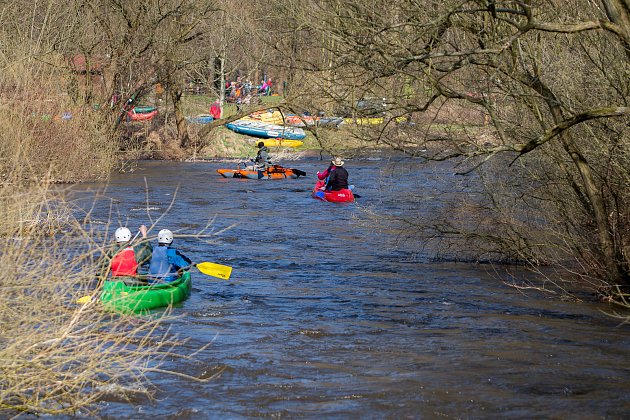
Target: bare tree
(541, 84)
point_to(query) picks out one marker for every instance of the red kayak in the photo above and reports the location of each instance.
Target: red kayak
(141, 116)
(341, 196)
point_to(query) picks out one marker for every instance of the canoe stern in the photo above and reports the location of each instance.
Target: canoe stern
(120, 297)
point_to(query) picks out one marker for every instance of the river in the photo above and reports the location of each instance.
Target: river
(321, 318)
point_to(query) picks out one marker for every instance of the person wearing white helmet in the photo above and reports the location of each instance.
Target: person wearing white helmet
(166, 261)
(125, 258)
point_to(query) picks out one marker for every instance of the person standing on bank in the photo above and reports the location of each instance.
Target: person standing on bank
(338, 176)
(166, 261)
(215, 110)
(125, 259)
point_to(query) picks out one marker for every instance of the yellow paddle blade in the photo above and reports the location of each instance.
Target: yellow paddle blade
(215, 270)
(84, 299)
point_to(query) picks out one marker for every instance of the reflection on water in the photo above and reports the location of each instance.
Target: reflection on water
(321, 318)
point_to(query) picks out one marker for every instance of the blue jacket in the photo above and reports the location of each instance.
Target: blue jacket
(165, 262)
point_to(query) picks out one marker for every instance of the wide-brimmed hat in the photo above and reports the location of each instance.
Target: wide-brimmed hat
(337, 161)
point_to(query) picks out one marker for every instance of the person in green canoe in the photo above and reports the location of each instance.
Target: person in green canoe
(167, 262)
(124, 259)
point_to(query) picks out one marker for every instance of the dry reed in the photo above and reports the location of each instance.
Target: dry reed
(57, 356)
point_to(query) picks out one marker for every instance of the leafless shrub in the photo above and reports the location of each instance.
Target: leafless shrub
(58, 356)
(538, 91)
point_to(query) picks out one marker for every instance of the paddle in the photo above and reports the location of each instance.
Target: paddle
(208, 268)
(351, 188)
(84, 299)
(215, 270)
(298, 172)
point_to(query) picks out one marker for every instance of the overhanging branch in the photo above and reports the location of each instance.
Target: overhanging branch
(568, 123)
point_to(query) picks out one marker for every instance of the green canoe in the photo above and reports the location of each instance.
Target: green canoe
(120, 297)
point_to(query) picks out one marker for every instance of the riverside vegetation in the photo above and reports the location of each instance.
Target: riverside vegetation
(527, 99)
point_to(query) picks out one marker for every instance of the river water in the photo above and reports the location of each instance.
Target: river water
(321, 318)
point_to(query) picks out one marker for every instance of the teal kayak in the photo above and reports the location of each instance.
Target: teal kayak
(120, 297)
(144, 109)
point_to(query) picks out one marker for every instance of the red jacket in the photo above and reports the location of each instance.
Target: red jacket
(324, 175)
(124, 263)
(215, 110)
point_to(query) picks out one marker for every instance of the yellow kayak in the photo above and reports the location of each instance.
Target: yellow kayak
(274, 117)
(280, 142)
(371, 120)
(364, 120)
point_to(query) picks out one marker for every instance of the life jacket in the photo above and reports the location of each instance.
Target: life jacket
(162, 263)
(215, 111)
(124, 263)
(263, 155)
(337, 180)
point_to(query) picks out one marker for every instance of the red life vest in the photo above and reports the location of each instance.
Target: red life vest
(124, 263)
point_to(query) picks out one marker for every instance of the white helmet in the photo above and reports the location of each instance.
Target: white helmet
(165, 236)
(123, 234)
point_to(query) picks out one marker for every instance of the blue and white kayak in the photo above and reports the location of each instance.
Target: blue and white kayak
(266, 130)
(201, 119)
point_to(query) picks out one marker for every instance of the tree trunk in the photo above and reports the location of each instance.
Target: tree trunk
(222, 80)
(180, 120)
(591, 188)
(618, 11)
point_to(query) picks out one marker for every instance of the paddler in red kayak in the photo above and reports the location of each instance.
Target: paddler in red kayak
(335, 177)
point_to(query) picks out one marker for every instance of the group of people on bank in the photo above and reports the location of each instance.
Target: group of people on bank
(165, 263)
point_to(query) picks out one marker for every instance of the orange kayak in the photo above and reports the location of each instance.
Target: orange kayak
(273, 172)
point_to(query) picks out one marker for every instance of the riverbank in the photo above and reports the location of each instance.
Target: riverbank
(160, 143)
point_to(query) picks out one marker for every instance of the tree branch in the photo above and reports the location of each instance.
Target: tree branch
(568, 123)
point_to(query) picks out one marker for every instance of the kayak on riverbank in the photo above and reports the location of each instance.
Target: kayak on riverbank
(265, 130)
(279, 142)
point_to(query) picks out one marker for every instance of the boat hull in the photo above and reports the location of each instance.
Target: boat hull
(341, 196)
(274, 172)
(144, 109)
(265, 130)
(201, 119)
(281, 143)
(310, 121)
(364, 120)
(141, 116)
(119, 297)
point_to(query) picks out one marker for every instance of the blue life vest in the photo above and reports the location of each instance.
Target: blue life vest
(162, 264)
